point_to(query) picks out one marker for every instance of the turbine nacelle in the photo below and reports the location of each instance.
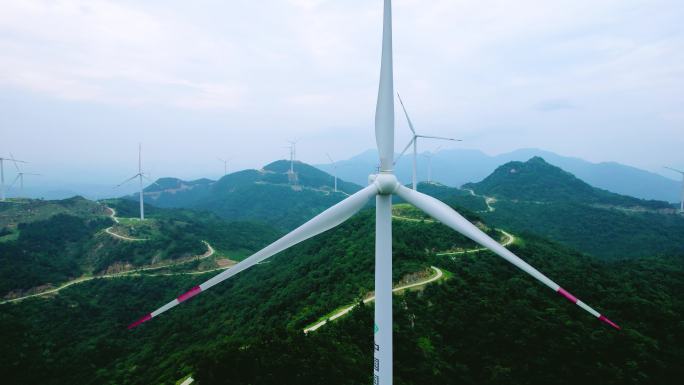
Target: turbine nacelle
(385, 181)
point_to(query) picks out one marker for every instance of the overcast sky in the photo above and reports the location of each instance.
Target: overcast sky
(83, 81)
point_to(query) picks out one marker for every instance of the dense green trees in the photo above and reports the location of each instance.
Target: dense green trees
(46, 251)
(488, 324)
(538, 181)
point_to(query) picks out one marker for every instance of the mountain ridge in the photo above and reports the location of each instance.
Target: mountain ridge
(455, 167)
(267, 195)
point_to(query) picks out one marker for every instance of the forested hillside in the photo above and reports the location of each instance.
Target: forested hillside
(543, 199)
(265, 195)
(483, 322)
(538, 181)
(47, 243)
(486, 324)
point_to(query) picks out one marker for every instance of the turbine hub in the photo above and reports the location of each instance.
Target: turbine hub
(386, 182)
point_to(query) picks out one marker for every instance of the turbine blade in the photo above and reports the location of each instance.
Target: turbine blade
(151, 181)
(15, 162)
(384, 109)
(439, 137)
(14, 181)
(407, 115)
(404, 150)
(320, 223)
(127, 180)
(451, 218)
(674, 169)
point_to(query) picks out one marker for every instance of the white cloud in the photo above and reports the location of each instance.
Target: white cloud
(474, 69)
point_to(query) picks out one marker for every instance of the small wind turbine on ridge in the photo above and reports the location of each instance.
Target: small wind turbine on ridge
(381, 186)
(681, 200)
(292, 176)
(20, 176)
(139, 175)
(429, 156)
(2, 174)
(414, 142)
(225, 166)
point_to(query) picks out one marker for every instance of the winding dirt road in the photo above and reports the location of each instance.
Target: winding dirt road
(488, 200)
(111, 232)
(435, 277)
(129, 273)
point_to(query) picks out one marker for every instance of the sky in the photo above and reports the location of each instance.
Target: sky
(82, 82)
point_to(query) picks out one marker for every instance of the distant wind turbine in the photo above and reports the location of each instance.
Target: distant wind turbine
(681, 200)
(429, 156)
(2, 174)
(139, 175)
(20, 176)
(381, 186)
(292, 176)
(414, 142)
(334, 169)
(225, 166)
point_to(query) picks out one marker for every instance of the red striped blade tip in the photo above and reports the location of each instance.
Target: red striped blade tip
(603, 319)
(138, 322)
(189, 294)
(567, 295)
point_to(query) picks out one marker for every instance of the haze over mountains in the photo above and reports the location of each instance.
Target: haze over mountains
(455, 167)
(452, 167)
(532, 196)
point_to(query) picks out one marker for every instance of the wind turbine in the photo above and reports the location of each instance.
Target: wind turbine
(414, 142)
(293, 153)
(429, 156)
(20, 176)
(381, 186)
(334, 169)
(292, 176)
(225, 166)
(139, 175)
(681, 204)
(2, 174)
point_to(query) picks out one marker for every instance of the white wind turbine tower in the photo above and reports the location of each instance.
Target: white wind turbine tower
(20, 176)
(2, 174)
(139, 175)
(225, 166)
(292, 176)
(414, 142)
(381, 186)
(681, 200)
(334, 169)
(429, 156)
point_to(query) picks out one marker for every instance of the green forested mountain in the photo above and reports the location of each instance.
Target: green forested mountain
(540, 198)
(265, 195)
(538, 181)
(486, 324)
(47, 243)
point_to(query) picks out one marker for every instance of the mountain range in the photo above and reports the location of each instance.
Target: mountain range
(622, 254)
(455, 167)
(254, 321)
(537, 197)
(265, 195)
